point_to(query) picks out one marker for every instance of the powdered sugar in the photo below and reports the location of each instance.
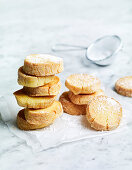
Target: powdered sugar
(111, 101)
(82, 80)
(126, 82)
(42, 58)
(107, 100)
(106, 103)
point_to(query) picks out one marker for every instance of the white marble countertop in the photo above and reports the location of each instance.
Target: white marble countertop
(33, 27)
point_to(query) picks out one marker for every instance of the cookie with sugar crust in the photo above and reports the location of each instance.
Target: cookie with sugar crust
(123, 86)
(83, 99)
(42, 65)
(82, 83)
(104, 113)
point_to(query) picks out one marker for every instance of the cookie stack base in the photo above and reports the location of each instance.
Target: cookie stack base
(24, 125)
(31, 119)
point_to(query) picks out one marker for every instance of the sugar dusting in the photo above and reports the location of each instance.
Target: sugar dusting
(82, 79)
(111, 101)
(42, 58)
(126, 82)
(106, 110)
(107, 103)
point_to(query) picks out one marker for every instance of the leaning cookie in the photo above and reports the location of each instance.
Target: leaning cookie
(70, 107)
(24, 125)
(82, 99)
(42, 65)
(24, 100)
(104, 113)
(49, 89)
(33, 81)
(82, 83)
(123, 86)
(44, 116)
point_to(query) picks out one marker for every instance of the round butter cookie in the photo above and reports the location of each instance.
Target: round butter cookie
(82, 83)
(44, 116)
(24, 100)
(82, 99)
(42, 65)
(104, 113)
(33, 81)
(123, 86)
(70, 107)
(49, 89)
(24, 125)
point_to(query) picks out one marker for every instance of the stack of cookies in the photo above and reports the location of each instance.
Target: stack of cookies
(86, 97)
(40, 90)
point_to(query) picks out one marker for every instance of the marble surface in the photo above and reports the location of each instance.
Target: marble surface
(34, 27)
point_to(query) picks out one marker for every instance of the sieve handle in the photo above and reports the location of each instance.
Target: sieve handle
(67, 47)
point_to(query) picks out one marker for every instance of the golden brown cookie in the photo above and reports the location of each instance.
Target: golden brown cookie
(104, 113)
(44, 116)
(49, 89)
(24, 125)
(82, 99)
(33, 81)
(82, 83)
(124, 86)
(70, 107)
(33, 102)
(42, 65)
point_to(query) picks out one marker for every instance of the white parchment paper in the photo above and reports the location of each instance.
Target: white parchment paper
(65, 129)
